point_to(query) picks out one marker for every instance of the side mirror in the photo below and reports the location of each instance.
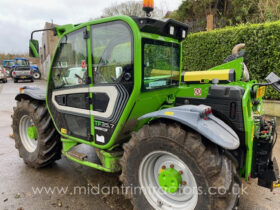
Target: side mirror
(274, 80)
(119, 71)
(33, 48)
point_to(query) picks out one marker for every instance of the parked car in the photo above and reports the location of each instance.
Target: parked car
(8, 66)
(22, 70)
(3, 77)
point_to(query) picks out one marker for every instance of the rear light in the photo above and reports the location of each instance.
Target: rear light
(31, 73)
(206, 112)
(14, 73)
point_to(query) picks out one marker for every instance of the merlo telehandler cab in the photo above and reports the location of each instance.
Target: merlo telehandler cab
(117, 85)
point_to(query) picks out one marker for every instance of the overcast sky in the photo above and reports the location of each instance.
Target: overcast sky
(19, 17)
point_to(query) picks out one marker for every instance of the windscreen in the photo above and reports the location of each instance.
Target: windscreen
(22, 62)
(161, 64)
(10, 63)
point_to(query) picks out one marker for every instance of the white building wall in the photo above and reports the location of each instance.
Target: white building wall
(45, 67)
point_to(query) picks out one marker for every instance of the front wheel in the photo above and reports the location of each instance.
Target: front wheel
(166, 166)
(35, 136)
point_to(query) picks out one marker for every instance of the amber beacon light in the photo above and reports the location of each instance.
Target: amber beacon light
(148, 6)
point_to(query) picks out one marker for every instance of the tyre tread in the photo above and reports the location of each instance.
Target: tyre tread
(218, 169)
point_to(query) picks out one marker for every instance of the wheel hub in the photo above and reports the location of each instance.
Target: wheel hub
(28, 133)
(32, 132)
(167, 180)
(170, 180)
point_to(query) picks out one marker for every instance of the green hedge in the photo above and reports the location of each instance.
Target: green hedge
(204, 50)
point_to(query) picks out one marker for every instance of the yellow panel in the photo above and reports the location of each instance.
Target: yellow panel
(198, 76)
(260, 92)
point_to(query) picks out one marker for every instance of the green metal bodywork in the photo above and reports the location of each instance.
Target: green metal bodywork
(248, 109)
(143, 102)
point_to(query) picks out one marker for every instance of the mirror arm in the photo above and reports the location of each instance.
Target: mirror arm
(47, 29)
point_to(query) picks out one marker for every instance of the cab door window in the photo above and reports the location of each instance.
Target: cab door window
(70, 64)
(112, 51)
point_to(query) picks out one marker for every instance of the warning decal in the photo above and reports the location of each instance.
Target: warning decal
(83, 64)
(197, 92)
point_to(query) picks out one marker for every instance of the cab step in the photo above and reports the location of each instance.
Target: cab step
(78, 155)
(87, 155)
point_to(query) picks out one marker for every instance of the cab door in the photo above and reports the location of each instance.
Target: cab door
(68, 87)
(112, 70)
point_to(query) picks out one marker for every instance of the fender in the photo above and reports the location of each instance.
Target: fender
(205, 123)
(31, 92)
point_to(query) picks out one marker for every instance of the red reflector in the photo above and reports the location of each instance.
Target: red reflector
(208, 111)
(14, 73)
(31, 73)
(264, 132)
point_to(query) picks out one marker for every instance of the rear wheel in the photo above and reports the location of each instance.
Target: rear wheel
(168, 167)
(35, 137)
(15, 80)
(36, 75)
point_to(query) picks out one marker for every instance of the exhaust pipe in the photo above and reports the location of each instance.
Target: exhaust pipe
(236, 49)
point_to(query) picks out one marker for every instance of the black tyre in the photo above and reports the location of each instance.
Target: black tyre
(198, 164)
(43, 148)
(15, 81)
(11, 73)
(32, 80)
(36, 75)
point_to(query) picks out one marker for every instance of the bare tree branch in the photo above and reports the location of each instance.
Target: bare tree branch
(131, 8)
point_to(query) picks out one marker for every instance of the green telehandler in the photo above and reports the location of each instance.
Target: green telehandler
(183, 138)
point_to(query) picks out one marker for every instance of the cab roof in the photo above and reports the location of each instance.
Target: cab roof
(166, 27)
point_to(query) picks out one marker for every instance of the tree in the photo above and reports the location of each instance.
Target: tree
(227, 12)
(269, 10)
(130, 8)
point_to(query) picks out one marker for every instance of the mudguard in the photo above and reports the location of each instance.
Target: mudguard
(31, 92)
(208, 126)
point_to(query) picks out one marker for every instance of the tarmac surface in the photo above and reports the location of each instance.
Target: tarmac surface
(67, 185)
